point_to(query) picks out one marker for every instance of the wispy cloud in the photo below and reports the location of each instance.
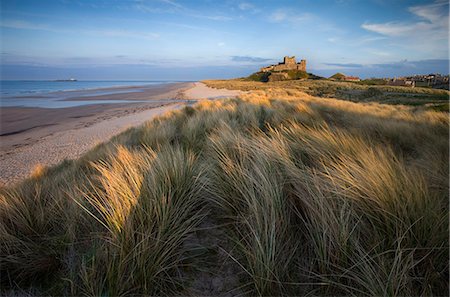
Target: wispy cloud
(399, 64)
(345, 65)
(194, 28)
(157, 6)
(24, 25)
(212, 17)
(432, 21)
(249, 59)
(285, 15)
(124, 33)
(402, 64)
(379, 53)
(173, 7)
(369, 39)
(80, 61)
(427, 33)
(436, 13)
(20, 24)
(248, 7)
(245, 6)
(173, 3)
(333, 39)
(358, 42)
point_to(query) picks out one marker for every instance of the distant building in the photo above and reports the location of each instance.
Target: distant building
(288, 63)
(342, 77)
(351, 78)
(403, 82)
(433, 80)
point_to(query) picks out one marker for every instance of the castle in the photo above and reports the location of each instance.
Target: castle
(288, 63)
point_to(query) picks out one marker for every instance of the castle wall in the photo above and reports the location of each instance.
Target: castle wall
(302, 65)
(267, 69)
(282, 67)
(288, 63)
(289, 60)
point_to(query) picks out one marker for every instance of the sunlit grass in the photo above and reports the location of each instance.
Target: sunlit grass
(318, 196)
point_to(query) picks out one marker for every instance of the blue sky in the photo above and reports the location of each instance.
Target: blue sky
(190, 40)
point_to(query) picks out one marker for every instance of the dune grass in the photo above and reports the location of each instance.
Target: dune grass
(318, 197)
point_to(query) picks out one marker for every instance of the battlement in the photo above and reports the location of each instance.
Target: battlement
(289, 63)
(289, 60)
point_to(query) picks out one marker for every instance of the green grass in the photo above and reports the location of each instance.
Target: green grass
(292, 75)
(318, 197)
(440, 107)
(258, 76)
(372, 81)
(338, 76)
(351, 91)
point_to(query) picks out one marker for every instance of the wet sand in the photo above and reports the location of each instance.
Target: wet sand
(20, 126)
(138, 93)
(46, 136)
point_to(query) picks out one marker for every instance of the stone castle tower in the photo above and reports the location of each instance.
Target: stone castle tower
(289, 63)
(289, 60)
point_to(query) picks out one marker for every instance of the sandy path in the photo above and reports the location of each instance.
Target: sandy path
(201, 91)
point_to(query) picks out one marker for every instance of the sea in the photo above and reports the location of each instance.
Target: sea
(57, 94)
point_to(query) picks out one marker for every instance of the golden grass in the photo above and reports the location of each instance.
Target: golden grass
(318, 196)
(434, 99)
(313, 86)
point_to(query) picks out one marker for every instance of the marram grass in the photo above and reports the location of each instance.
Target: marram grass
(317, 196)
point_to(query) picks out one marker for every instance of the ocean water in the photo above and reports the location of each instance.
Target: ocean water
(57, 94)
(32, 87)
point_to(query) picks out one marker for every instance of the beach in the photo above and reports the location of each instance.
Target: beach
(32, 136)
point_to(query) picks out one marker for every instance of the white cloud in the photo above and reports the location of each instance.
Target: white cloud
(283, 15)
(333, 39)
(428, 33)
(172, 7)
(433, 22)
(125, 33)
(370, 39)
(212, 17)
(278, 16)
(19, 24)
(23, 25)
(246, 6)
(390, 28)
(435, 13)
(173, 3)
(379, 53)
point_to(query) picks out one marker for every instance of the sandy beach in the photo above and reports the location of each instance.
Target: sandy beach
(46, 136)
(200, 90)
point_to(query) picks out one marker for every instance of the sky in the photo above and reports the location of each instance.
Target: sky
(192, 40)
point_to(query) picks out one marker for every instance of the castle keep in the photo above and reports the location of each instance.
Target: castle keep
(288, 63)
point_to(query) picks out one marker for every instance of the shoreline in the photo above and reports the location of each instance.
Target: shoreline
(46, 136)
(110, 95)
(135, 93)
(45, 94)
(22, 125)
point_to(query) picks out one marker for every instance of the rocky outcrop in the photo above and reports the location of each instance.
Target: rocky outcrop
(278, 76)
